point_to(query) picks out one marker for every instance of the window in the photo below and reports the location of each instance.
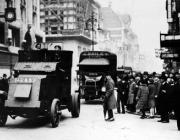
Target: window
(2, 33)
(54, 12)
(65, 19)
(70, 5)
(71, 19)
(46, 30)
(71, 12)
(70, 26)
(46, 13)
(23, 3)
(65, 26)
(53, 2)
(23, 14)
(46, 21)
(62, 27)
(79, 50)
(23, 11)
(34, 19)
(53, 21)
(54, 30)
(45, 1)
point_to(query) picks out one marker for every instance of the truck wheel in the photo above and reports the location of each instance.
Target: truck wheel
(55, 113)
(75, 110)
(3, 115)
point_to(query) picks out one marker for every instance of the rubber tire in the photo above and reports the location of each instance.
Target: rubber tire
(75, 105)
(3, 115)
(55, 116)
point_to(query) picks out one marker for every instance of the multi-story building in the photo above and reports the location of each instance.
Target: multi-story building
(171, 40)
(12, 34)
(119, 37)
(65, 23)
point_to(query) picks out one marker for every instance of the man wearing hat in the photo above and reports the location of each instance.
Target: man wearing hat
(109, 100)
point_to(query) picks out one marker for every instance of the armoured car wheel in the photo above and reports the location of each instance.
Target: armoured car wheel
(3, 115)
(75, 105)
(55, 113)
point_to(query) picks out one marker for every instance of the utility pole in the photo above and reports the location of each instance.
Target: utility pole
(92, 20)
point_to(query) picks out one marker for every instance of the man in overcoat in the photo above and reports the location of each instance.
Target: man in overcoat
(164, 100)
(121, 89)
(176, 99)
(151, 97)
(142, 98)
(109, 100)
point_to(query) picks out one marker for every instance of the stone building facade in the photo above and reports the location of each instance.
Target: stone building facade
(12, 34)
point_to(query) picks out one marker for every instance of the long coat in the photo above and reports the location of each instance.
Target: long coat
(142, 97)
(111, 100)
(151, 97)
(132, 93)
(165, 97)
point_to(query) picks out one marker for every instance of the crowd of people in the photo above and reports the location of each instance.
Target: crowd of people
(152, 93)
(142, 93)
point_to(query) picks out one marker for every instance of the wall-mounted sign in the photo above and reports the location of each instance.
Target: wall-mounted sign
(169, 55)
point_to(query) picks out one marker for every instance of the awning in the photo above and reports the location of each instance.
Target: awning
(94, 61)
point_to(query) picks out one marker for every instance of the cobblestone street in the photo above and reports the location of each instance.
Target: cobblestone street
(90, 125)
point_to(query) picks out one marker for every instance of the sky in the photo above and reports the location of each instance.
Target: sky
(148, 20)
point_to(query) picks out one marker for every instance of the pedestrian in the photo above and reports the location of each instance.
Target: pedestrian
(142, 98)
(109, 99)
(157, 84)
(164, 100)
(130, 99)
(133, 89)
(176, 99)
(151, 97)
(121, 89)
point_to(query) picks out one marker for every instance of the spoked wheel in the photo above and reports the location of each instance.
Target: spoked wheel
(75, 105)
(3, 115)
(55, 113)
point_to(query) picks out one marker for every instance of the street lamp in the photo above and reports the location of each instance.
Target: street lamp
(92, 20)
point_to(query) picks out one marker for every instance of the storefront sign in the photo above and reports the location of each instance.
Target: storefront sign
(169, 55)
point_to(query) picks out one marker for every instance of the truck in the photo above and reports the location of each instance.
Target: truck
(41, 86)
(93, 66)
